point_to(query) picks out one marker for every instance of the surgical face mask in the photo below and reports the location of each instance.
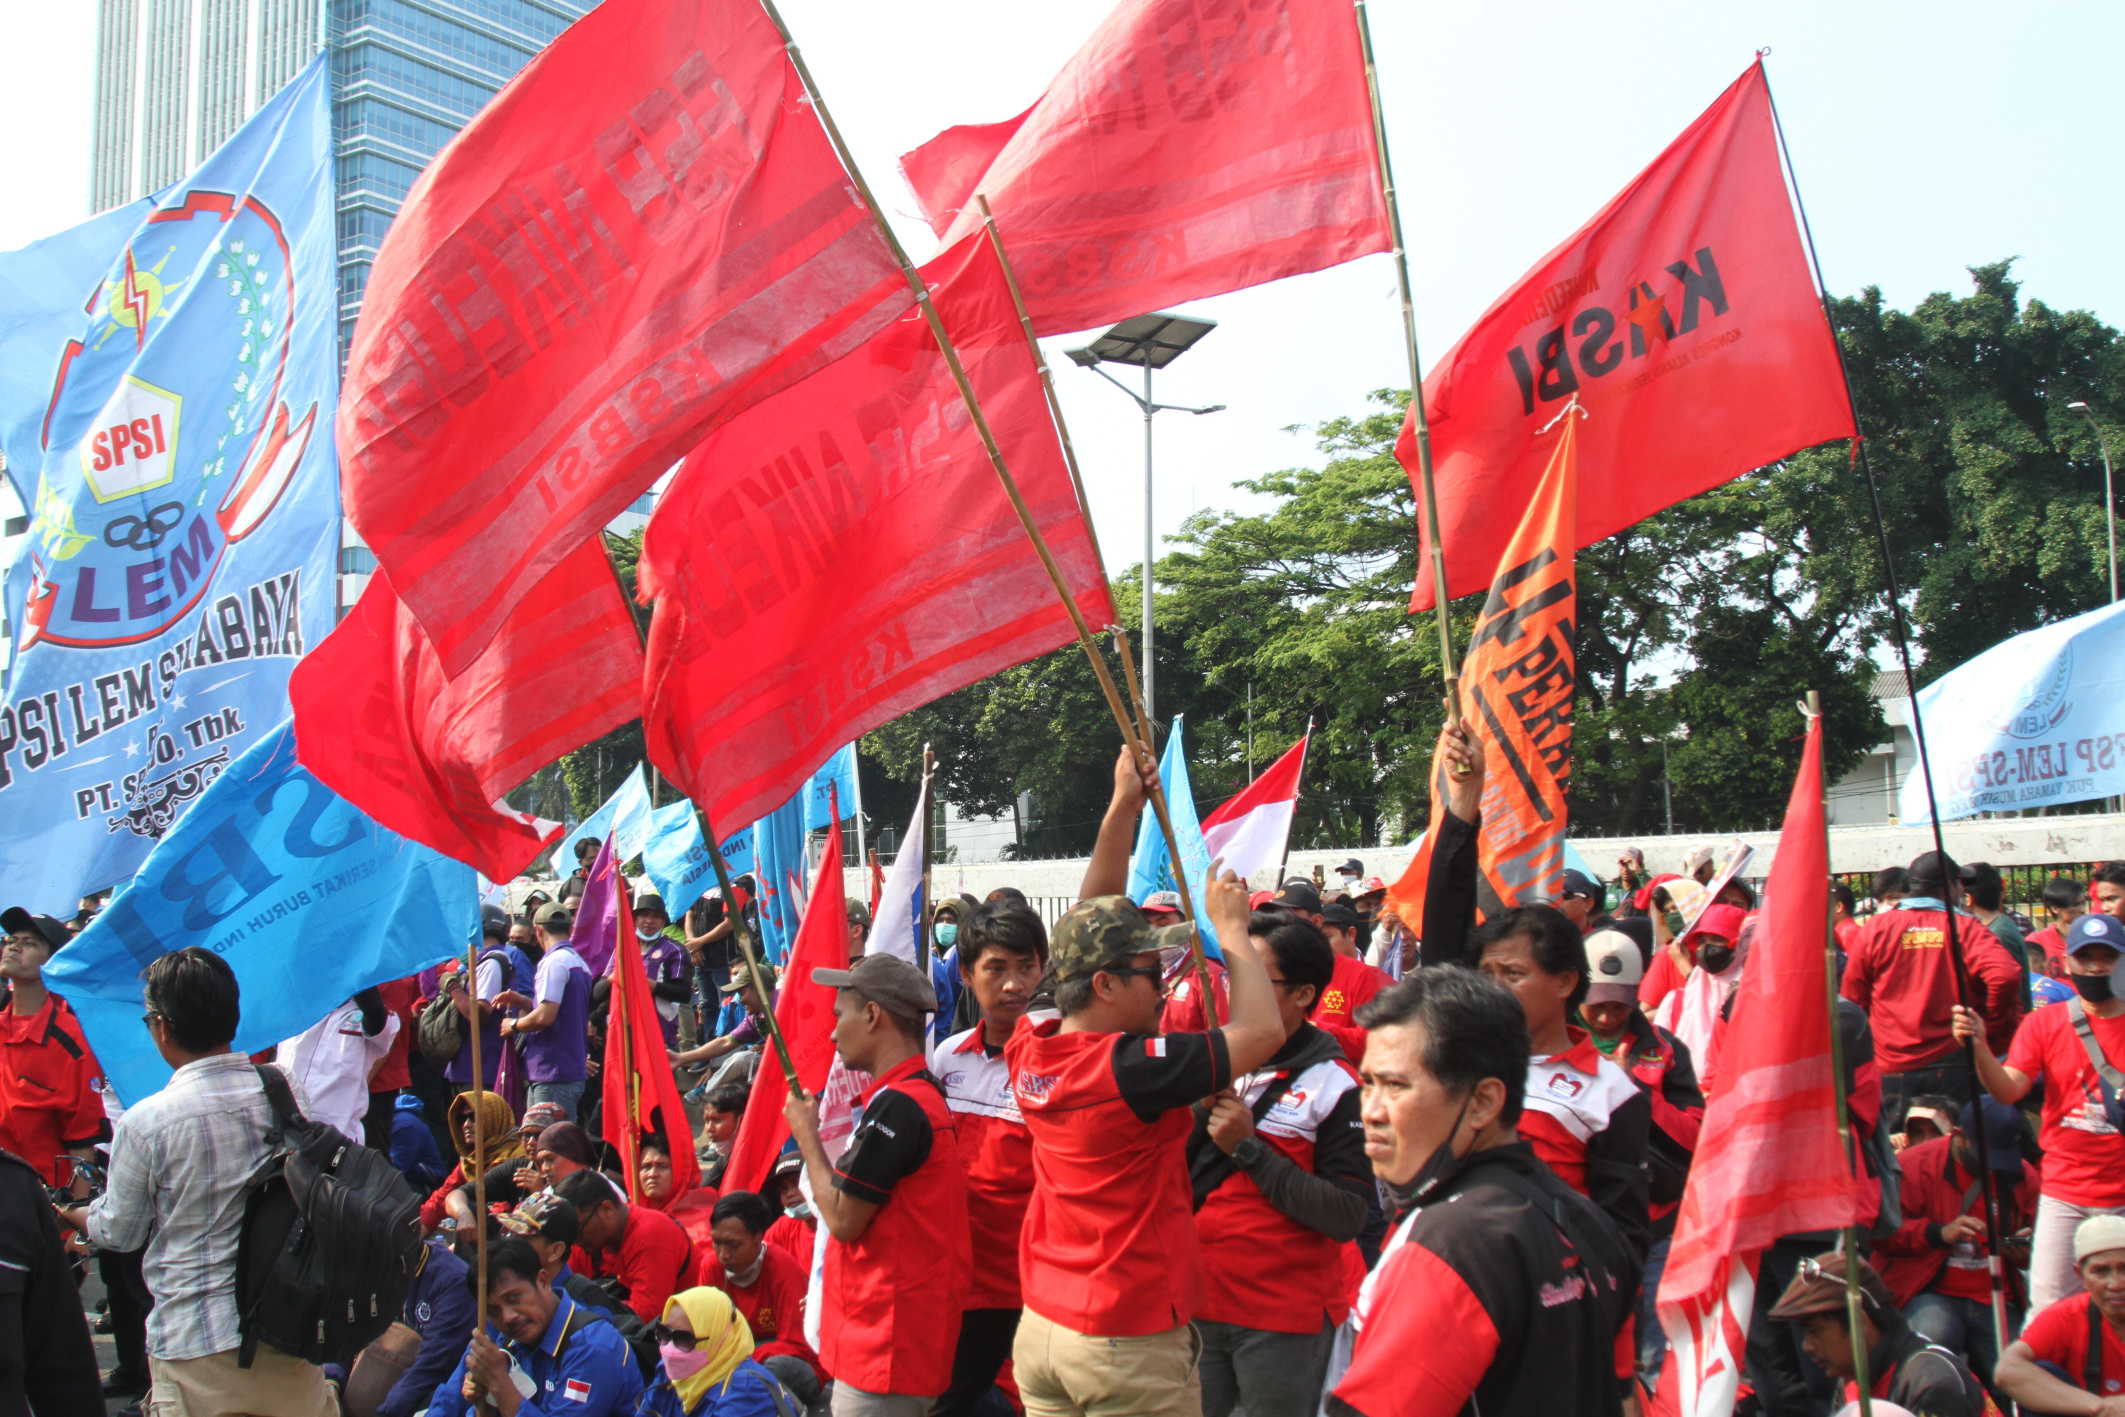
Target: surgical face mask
(1716, 958)
(646, 933)
(947, 933)
(798, 1211)
(1443, 1159)
(2095, 988)
(682, 1363)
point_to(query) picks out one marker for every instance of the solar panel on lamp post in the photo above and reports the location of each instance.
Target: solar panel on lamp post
(1149, 342)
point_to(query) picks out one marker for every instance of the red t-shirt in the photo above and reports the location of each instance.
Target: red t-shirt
(2060, 1335)
(654, 1261)
(1355, 982)
(795, 1236)
(48, 1078)
(997, 1155)
(773, 1304)
(1662, 978)
(2050, 941)
(1900, 972)
(401, 997)
(1109, 1248)
(2084, 1157)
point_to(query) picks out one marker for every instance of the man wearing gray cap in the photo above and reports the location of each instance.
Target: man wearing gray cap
(894, 1205)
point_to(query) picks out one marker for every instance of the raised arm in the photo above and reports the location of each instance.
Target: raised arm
(1256, 1028)
(1107, 873)
(1450, 885)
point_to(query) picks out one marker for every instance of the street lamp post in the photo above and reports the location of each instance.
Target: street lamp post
(1151, 341)
(2110, 504)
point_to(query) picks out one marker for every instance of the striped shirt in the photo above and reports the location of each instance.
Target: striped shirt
(179, 1164)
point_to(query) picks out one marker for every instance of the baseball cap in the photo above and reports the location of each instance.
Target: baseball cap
(2002, 1126)
(1930, 868)
(1300, 894)
(1819, 1288)
(1163, 900)
(2094, 929)
(1337, 912)
(1618, 966)
(1371, 885)
(859, 913)
(15, 919)
(1259, 899)
(2098, 1233)
(1699, 856)
(741, 975)
(1724, 921)
(886, 980)
(556, 915)
(651, 901)
(1579, 883)
(789, 1163)
(1106, 932)
(1352, 867)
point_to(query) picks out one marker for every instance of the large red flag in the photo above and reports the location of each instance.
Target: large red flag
(805, 1009)
(430, 754)
(1768, 1161)
(1682, 315)
(640, 1093)
(844, 552)
(1190, 147)
(644, 232)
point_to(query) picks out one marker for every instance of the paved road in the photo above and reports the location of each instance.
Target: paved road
(106, 1351)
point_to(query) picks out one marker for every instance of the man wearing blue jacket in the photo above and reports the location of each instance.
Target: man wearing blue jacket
(439, 1309)
(556, 1358)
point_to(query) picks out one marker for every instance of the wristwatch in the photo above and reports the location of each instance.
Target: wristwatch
(1249, 1153)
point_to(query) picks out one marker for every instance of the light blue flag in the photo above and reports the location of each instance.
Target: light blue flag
(168, 377)
(779, 859)
(625, 817)
(2031, 722)
(675, 858)
(837, 776)
(1150, 869)
(308, 900)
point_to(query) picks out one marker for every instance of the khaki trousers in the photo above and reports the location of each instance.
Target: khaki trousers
(276, 1385)
(1063, 1373)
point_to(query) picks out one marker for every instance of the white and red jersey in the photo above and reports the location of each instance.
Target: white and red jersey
(997, 1154)
(1571, 1098)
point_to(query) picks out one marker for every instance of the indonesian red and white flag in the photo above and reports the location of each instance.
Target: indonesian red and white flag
(1768, 1161)
(1249, 832)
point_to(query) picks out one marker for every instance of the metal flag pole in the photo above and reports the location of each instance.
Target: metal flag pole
(1432, 551)
(1304, 757)
(929, 899)
(744, 937)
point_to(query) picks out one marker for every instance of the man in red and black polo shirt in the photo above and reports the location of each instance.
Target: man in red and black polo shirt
(49, 1106)
(894, 1206)
(1109, 1261)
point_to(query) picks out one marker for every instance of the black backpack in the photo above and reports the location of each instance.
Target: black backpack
(330, 1241)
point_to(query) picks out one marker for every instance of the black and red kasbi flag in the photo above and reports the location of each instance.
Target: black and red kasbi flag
(1682, 317)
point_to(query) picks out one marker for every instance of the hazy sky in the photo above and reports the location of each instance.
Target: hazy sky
(1927, 137)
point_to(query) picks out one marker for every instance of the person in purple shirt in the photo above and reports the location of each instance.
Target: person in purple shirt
(555, 1033)
(491, 992)
(665, 961)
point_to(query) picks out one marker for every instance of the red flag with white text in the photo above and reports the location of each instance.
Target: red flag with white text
(1682, 316)
(1189, 147)
(844, 552)
(1768, 1161)
(646, 231)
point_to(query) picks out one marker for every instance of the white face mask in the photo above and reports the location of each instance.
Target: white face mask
(646, 933)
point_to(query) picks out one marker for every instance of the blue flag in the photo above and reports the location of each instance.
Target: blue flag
(1150, 869)
(675, 858)
(625, 817)
(307, 899)
(168, 377)
(836, 776)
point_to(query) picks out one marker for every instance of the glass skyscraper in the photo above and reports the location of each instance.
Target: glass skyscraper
(176, 77)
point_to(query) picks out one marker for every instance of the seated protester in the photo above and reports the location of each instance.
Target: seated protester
(413, 1149)
(748, 1033)
(499, 1142)
(438, 1307)
(710, 1367)
(576, 1362)
(513, 1178)
(768, 1285)
(1584, 1115)
(2084, 1152)
(1502, 1290)
(719, 1129)
(1901, 1365)
(548, 1224)
(1281, 1187)
(2065, 901)
(795, 1228)
(639, 1253)
(1354, 985)
(1002, 951)
(1660, 1065)
(894, 1206)
(1937, 1263)
(1928, 1118)
(2071, 1357)
(654, 1178)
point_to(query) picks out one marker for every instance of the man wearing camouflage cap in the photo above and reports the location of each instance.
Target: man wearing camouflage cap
(1111, 1269)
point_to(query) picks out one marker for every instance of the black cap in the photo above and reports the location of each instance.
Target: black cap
(1352, 867)
(654, 902)
(15, 920)
(1300, 894)
(1337, 912)
(1930, 869)
(1579, 883)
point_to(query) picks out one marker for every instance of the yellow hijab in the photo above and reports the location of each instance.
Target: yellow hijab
(497, 1130)
(719, 1331)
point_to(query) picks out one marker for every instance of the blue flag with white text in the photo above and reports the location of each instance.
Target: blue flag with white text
(168, 377)
(624, 816)
(1150, 869)
(307, 898)
(676, 860)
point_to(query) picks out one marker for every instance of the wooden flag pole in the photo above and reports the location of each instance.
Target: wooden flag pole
(744, 937)
(1433, 552)
(479, 1140)
(921, 291)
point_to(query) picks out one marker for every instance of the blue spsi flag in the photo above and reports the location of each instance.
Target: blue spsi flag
(308, 900)
(675, 858)
(625, 817)
(1150, 869)
(168, 377)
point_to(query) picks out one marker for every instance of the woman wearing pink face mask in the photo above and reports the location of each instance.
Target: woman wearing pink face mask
(708, 1368)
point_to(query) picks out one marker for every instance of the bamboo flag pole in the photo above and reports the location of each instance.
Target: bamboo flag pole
(479, 1138)
(744, 937)
(1433, 552)
(921, 291)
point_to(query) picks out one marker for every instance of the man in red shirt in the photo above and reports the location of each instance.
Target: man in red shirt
(1354, 985)
(2084, 1150)
(1109, 1261)
(394, 1070)
(2106, 888)
(1902, 974)
(767, 1285)
(894, 1205)
(50, 1108)
(796, 1228)
(2071, 1358)
(643, 1248)
(1002, 950)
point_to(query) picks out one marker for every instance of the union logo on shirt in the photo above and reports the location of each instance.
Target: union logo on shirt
(1564, 1085)
(1035, 1087)
(1333, 1002)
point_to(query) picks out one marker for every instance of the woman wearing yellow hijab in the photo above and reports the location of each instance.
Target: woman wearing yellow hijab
(708, 1368)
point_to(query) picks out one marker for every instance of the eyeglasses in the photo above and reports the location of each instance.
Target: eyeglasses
(147, 1021)
(661, 1334)
(1811, 1269)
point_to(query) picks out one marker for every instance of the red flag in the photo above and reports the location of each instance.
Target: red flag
(1682, 316)
(1250, 831)
(1186, 149)
(805, 1010)
(640, 1093)
(1768, 1161)
(644, 232)
(429, 754)
(844, 552)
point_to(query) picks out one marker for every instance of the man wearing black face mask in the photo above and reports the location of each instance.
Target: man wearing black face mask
(2077, 1049)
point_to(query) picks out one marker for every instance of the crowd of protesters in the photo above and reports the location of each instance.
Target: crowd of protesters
(1376, 1166)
